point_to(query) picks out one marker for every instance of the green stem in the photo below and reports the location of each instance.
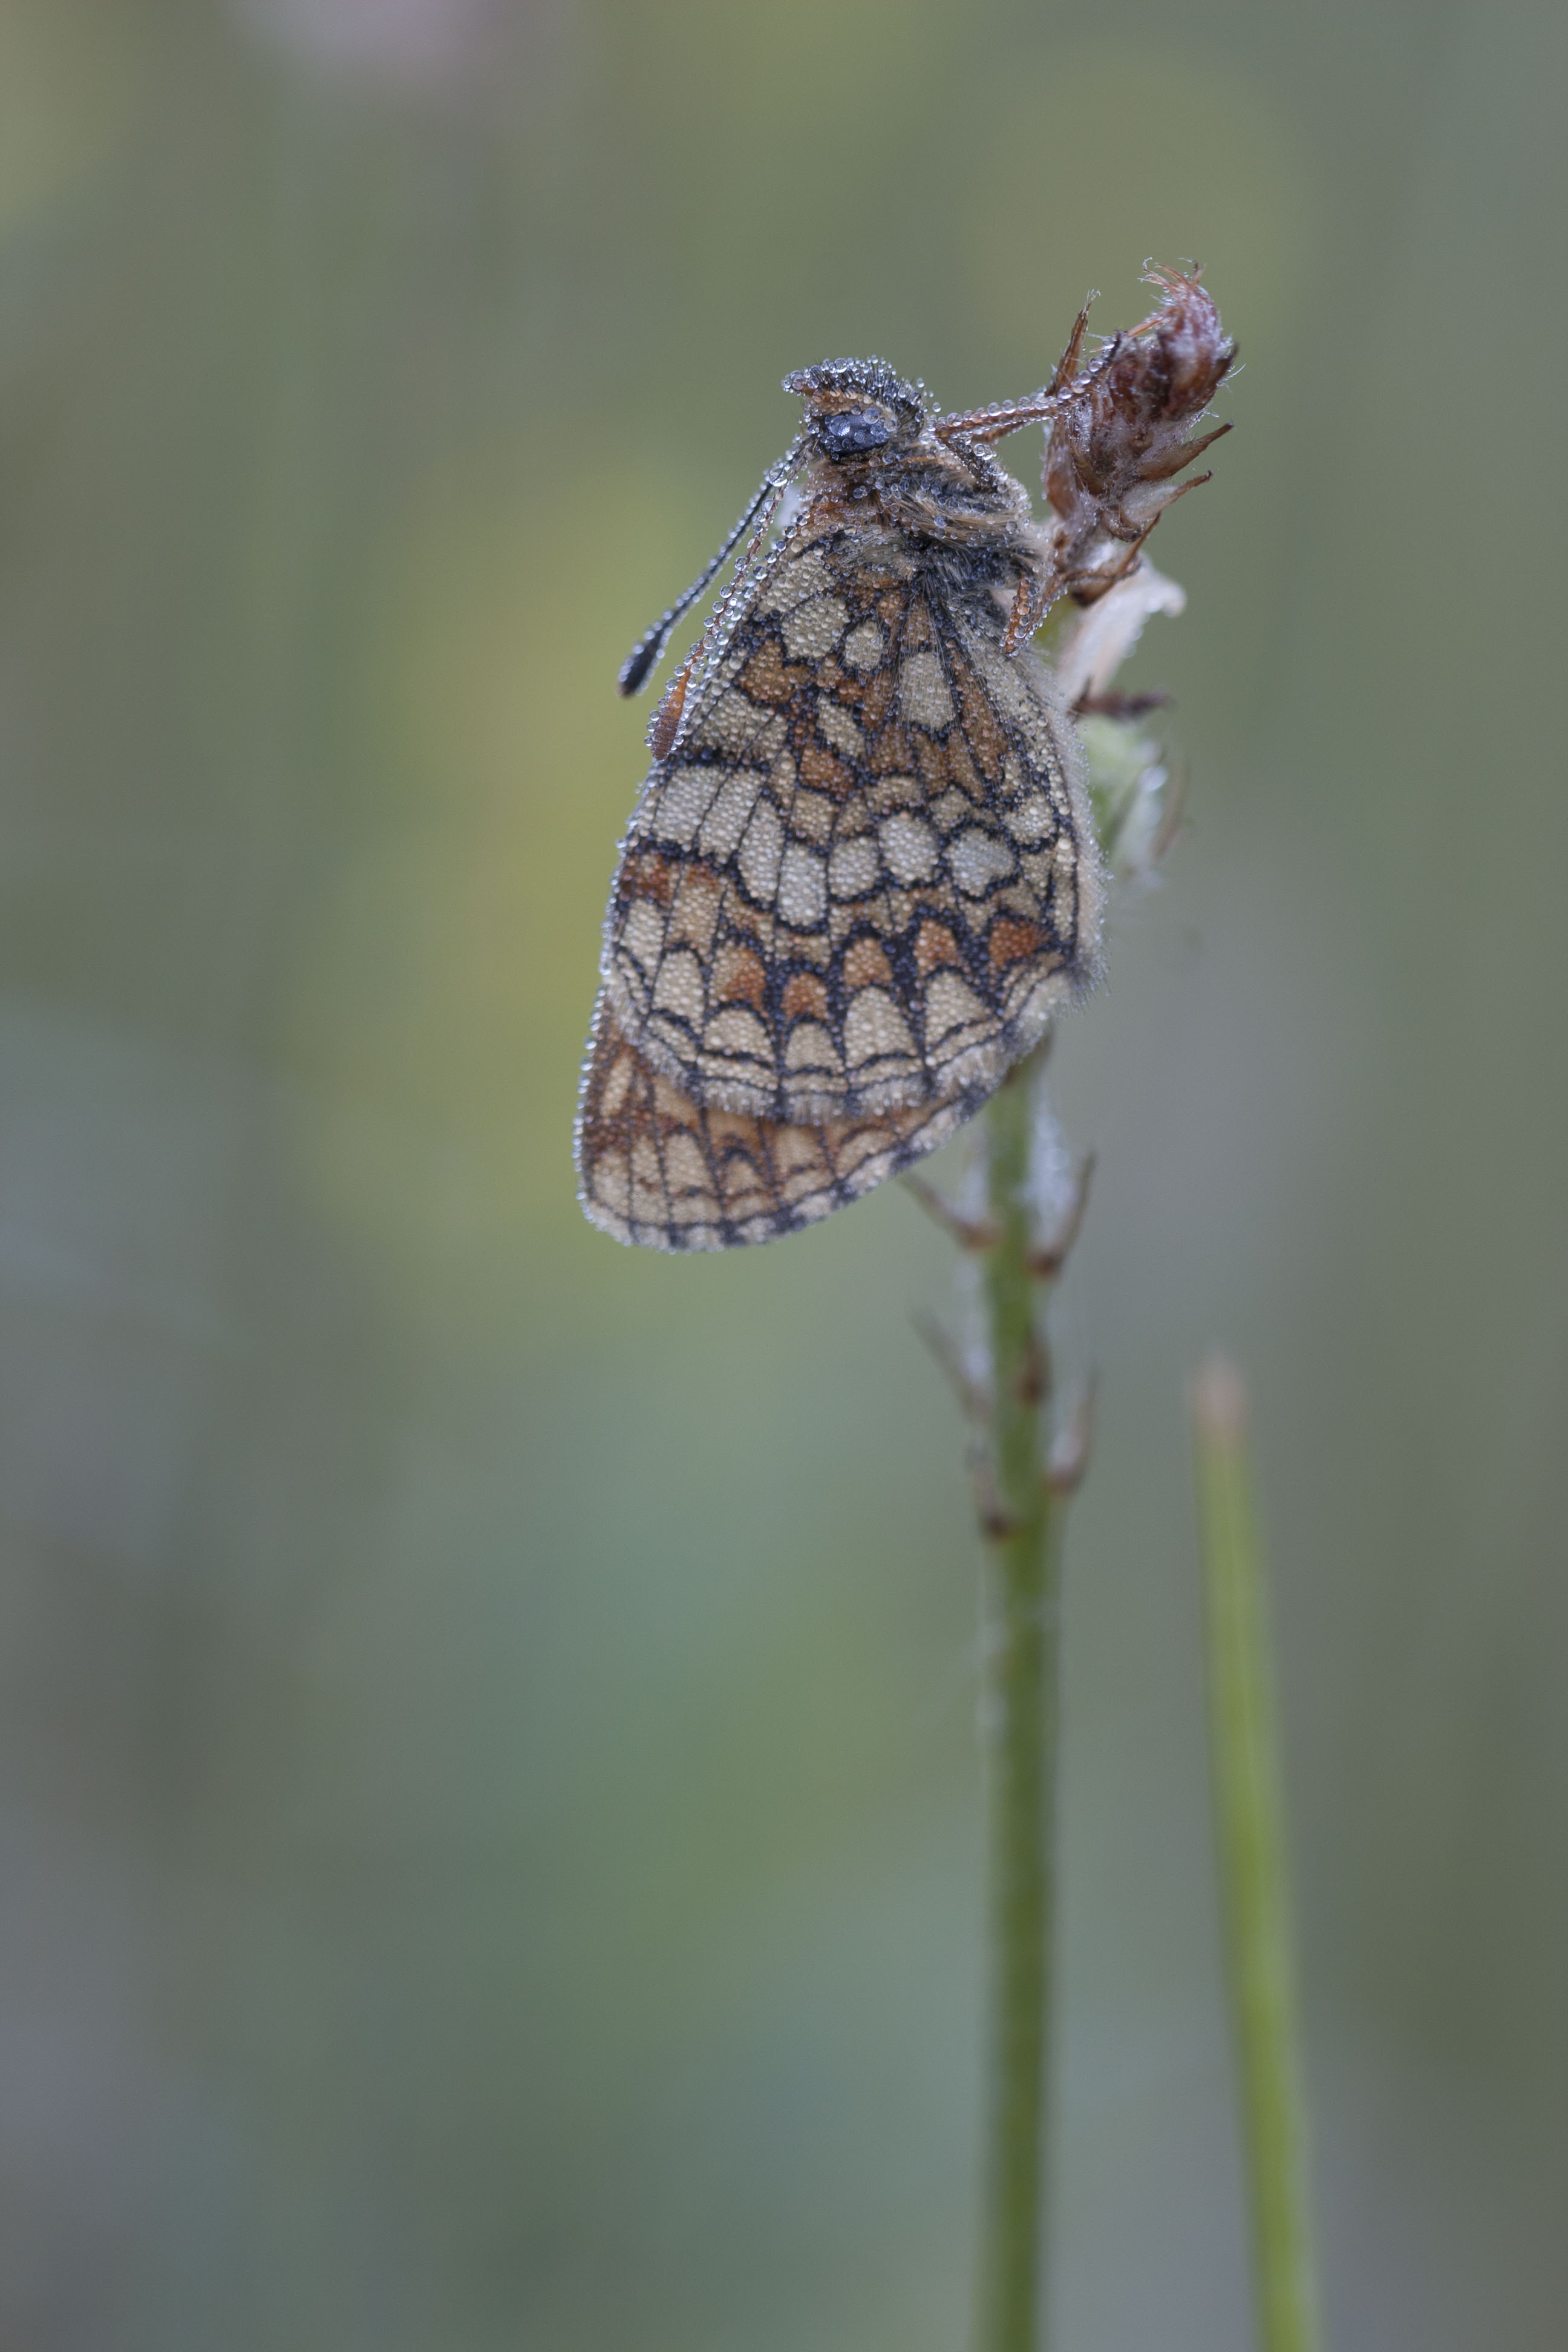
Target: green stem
(1250, 1833)
(1022, 1719)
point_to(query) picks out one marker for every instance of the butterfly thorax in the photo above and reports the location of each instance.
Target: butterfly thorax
(935, 496)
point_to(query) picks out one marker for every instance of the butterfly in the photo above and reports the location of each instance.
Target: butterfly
(861, 877)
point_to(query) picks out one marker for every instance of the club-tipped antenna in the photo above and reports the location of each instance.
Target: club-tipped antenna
(640, 663)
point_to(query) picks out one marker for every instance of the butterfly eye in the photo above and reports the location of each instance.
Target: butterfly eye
(856, 430)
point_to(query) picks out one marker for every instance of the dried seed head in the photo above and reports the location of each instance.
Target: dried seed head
(1119, 439)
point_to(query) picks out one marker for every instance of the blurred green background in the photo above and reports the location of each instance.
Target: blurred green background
(488, 1808)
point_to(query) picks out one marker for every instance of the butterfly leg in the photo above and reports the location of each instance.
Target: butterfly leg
(994, 424)
(1031, 600)
(665, 724)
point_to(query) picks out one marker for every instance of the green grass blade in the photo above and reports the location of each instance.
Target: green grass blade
(1250, 1833)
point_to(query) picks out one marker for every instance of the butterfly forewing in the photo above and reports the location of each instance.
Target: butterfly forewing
(863, 878)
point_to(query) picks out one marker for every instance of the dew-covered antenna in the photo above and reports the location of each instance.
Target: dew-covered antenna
(639, 662)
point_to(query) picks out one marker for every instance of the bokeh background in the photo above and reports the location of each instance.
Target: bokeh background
(488, 1784)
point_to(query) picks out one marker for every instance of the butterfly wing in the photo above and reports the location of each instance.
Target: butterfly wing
(664, 1172)
(864, 878)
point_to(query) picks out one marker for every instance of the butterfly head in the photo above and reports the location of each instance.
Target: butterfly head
(857, 409)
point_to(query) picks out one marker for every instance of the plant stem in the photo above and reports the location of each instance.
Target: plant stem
(1250, 1834)
(1021, 1720)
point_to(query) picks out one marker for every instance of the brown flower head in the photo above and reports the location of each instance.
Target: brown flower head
(1116, 443)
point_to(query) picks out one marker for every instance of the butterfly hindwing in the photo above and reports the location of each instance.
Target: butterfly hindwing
(664, 1172)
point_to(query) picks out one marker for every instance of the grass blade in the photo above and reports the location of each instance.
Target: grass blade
(1249, 1822)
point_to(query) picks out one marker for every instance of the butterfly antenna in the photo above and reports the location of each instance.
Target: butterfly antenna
(636, 668)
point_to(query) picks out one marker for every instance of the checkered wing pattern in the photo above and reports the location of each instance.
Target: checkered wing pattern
(864, 878)
(664, 1172)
